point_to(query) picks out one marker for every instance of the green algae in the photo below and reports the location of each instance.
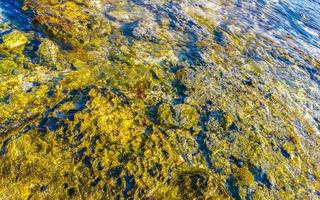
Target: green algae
(97, 117)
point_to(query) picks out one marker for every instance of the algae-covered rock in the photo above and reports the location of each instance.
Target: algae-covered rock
(166, 115)
(188, 116)
(48, 51)
(71, 22)
(245, 178)
(7, 66)
(154, 100)
(14, 39)
(4, 25)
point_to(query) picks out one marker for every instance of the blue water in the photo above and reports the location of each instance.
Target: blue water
(299, 19)
(279, 19)
(10, 11)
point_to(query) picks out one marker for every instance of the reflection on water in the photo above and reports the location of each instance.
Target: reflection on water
(10, 11)
(290, 23)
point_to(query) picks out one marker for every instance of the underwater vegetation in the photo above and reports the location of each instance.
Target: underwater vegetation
(159, 99)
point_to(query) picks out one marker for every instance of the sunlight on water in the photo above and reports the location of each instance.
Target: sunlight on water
(2, 20)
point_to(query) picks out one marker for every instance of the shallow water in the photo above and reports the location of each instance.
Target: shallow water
(11, 12)
(279, 20)
(160, 99)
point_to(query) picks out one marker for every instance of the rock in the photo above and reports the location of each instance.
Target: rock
(188, 116)
(245, 177)
(27, 86)
(78, 26)
(7, 66)
(48, 51)
(146, 30)
(14, 39)
(166, 116)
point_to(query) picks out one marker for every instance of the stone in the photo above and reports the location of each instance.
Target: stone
(48, 51)
(7, 66)
(188, 116)
(166, 116)
(14, 39)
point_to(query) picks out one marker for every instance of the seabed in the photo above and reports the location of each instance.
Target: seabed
(159, 99)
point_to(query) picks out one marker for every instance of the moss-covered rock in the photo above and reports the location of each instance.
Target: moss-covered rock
(48, 51)
(154, 100)
(7, 67)
(166, 115)
(15, 39)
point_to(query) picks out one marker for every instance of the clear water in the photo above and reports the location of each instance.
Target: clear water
(280, 37)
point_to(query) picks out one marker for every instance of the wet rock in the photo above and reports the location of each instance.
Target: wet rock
(27, 86)
(80, 153)
(44, 188)
(203, 148)
(114, 172)
(170, 99)
(14, 39)
(188, 116)
(87, 161)
(248, 82)
(285, 153)
(130, 185)
(71, 192)
(166, 115)
(7, 67)
(145, 30)
(95, 182)
(260, 176)
(236, 161)
(245, 177)
(233, 188)
(73, 28)
(192, 184)
(219, 37)
(48, 51)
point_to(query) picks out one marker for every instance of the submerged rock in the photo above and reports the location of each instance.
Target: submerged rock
(166, 115)
(14, 39)
(48, 51)
(157, 100)
(7, 67)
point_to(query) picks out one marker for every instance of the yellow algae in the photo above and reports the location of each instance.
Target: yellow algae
(149, 100)
(245, 177)
(14, 39)
(188, 115)
(166, 115)
(7, 67)
(48, 51)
